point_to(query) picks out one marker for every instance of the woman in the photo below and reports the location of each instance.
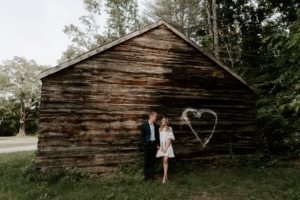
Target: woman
(166, 150)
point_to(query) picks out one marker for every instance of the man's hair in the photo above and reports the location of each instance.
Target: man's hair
(152, 113)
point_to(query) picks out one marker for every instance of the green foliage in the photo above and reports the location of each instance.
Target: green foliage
(29, 172)
(31, 126)
(262, 159)
(275, 130)
(131, 167)
(122, 19)
(73, 175)
(289, 45)
(136, 168)
(183, 15)
(20, 91)
(236, 183)
(19, 78)
(66, 175)
(278, 92)
(8, 120)
(88, 38)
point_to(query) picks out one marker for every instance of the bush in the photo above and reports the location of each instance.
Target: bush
(260, 160)
(277, 133)
(8, 128)
(67, 174)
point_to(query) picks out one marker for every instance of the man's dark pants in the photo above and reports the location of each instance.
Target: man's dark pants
(149, 154)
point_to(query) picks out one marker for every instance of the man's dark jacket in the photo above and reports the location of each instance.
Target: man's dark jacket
(146, 133)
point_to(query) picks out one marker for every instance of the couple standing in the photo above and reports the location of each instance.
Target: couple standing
(157, 141)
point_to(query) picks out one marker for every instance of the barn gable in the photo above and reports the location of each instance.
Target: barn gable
(92, 106)
(135, 34)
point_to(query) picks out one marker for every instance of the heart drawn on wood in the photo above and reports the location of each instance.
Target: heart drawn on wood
(198, 114)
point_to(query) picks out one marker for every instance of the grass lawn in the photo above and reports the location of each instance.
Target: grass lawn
(240, 183)
(15, 141)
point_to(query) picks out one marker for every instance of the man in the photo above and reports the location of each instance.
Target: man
(150, 141)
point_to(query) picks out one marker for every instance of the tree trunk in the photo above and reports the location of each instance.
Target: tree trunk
(209, 24)
(230, 56)
(216, 30)
(22, 129)
(22, 121)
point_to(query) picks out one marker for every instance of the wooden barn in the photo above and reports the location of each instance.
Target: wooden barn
(92, 106)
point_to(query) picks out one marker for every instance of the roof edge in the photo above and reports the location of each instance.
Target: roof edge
(208, 55)
(134, 34)
(98, 50)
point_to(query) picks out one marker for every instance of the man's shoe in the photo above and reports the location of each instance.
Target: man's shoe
(146, 178)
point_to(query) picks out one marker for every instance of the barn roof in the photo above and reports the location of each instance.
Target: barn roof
(132, 35)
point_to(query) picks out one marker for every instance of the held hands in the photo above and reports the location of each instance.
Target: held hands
(165, 150)
(157, 147)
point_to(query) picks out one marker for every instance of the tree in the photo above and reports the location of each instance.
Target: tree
(8, 120)
(285, 43)
(19, 84)
(278, 78)
(87, 39)
(215, 30)
(185, 15)
(209, 24)
(204, 22)
(122, 18)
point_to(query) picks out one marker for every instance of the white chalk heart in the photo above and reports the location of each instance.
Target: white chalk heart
(198, 114)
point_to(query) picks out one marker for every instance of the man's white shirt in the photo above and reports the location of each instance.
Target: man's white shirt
(152, 136)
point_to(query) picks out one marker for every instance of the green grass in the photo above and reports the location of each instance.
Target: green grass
(16, 141)
(238, 183)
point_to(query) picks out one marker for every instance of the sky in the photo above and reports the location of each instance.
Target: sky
(33, 29)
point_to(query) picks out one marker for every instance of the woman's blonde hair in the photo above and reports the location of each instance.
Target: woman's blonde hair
(166, 126)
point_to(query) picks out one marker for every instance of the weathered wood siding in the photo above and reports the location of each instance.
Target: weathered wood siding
(91, 112)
